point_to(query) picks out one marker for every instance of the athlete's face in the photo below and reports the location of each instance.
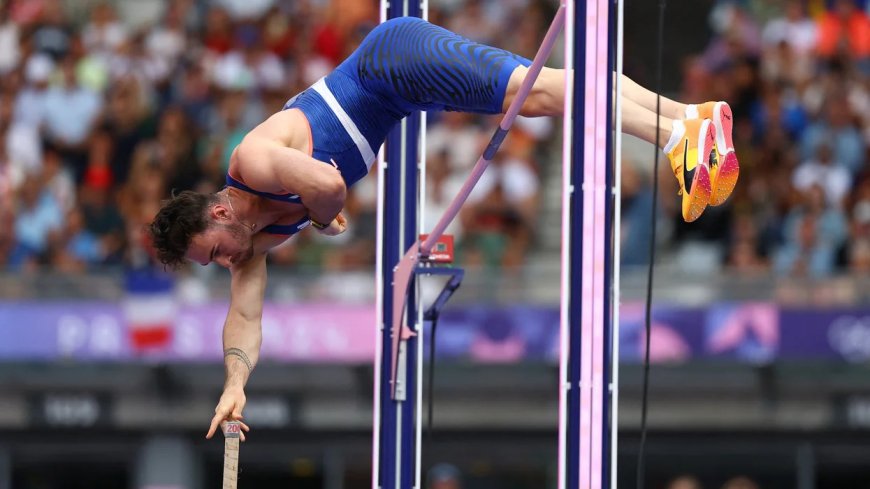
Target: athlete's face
(225, 242)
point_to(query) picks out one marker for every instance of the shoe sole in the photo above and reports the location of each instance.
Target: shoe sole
(701, 187)
(726, 179)
(700, 196)
(728, 168)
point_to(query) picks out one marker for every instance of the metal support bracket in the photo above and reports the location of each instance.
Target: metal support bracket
(401, 333)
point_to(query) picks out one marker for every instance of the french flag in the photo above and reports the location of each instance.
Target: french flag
(149, 310)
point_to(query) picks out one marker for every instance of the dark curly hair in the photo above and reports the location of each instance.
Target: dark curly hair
(180, 218)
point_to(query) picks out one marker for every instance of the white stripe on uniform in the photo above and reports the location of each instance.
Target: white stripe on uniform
(362, 144)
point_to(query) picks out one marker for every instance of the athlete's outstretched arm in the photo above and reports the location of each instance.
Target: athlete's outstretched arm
(242, 337)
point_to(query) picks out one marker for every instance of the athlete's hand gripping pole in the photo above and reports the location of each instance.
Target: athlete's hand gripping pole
(405, 267)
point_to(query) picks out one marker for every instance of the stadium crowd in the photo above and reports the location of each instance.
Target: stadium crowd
(106, 110)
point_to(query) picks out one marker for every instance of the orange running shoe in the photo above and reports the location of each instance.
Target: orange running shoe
(689, 160)
(724, 168)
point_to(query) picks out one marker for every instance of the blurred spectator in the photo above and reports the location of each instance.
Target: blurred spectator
(836, 127)
(172, 151)
(11, 177)
(814, 234)
(459, 137)
(23, 148)
(263, 67)
(10, 40)
(244, 10)
(747, 255)
(472, 22)
(439, 193)
(834, 179)
(793, 28)
(636, 220)
(52, 34)
(31, 105)
(104, 33)
(75, 248)
(230, 118)
(685, 482)
(328, 38)
(444, 476)
(26, 12)
(167, 40)
(739, 37)
(218, 35)
(37, 215)
(139, 201)
(91, 70)
(192, 92)
(859, 256)
(128, 122)
(781, 65)
(497, 219)
(845, 31)
(102, 218)
(71, 114)
(279, 37)
(740, 483)
(58, 180)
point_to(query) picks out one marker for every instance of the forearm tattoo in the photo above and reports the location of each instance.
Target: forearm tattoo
(241, 354)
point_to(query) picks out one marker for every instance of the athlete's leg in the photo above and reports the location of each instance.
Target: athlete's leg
(548, 95)
(687, 144)
(547, 98)
(640, 122)
(647, 99)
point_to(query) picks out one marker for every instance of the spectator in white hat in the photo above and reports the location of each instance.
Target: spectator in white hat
(30, 106)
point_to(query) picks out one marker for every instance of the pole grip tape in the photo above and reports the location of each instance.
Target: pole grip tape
(494, 143)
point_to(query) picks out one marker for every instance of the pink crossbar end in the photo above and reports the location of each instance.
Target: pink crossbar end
(401, 280)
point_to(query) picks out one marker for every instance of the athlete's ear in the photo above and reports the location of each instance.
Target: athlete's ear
(219, 212)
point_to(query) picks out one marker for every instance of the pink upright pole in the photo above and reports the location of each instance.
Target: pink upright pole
(594, 252)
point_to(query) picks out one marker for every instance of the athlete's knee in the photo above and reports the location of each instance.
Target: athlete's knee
(546, 97)
(550, 91)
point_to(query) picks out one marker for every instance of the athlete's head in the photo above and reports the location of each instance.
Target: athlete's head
(201, 228)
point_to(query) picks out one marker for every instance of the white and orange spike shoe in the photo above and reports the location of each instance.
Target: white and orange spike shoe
(690, 156)
(724, 167)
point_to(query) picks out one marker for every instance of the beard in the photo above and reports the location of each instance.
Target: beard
(244, 240)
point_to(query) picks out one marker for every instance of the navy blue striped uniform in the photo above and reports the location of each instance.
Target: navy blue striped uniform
(403, 65)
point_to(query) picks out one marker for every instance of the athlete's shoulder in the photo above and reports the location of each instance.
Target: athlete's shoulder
(288, 127)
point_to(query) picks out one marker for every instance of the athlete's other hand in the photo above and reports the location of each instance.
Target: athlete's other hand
(229, 408)
(336, 227)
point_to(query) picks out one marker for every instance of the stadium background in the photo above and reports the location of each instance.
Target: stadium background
(110, 368)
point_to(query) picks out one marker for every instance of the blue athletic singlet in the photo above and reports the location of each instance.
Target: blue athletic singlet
(403, 65)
